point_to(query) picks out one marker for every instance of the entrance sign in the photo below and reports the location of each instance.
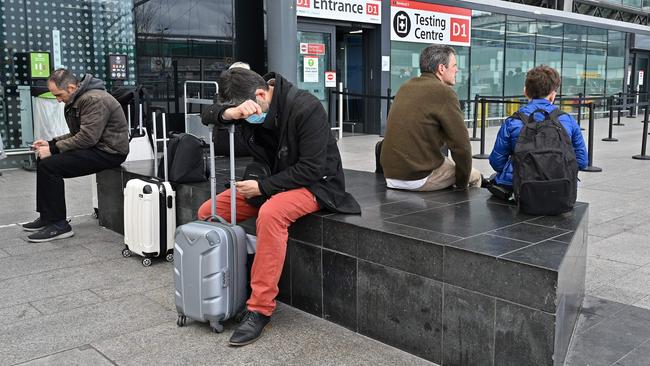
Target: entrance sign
(310, 69)
(418, 22)
(39, 65)
(330, 79)
(362, 11)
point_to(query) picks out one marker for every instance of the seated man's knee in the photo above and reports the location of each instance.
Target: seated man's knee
(271, 211)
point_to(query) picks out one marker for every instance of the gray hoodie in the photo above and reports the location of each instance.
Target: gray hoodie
(95, 119)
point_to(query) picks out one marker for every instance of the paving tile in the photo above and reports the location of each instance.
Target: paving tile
(636, 281)
(17, 313)
(81, 356)
(610, 340)
(639, 356)
(599, 306)
(66, 302)
(606, 230)
(295, 338)
(602, 271)
(625, 247)
(528, 232)
(42, 336)
(617, 294)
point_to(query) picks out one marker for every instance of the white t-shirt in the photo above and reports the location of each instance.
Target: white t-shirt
(410, 185)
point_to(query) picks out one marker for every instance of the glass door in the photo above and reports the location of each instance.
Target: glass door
(314, 59)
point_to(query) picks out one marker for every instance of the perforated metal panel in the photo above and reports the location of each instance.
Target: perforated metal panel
(89, 31)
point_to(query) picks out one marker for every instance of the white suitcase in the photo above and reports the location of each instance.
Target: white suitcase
(150, 216)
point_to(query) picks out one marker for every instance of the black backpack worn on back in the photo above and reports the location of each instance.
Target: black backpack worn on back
(187, 159)
(545, 169)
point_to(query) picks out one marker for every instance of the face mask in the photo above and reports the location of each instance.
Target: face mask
(256, 118)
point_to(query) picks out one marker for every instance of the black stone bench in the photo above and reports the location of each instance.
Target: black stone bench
(455, 277)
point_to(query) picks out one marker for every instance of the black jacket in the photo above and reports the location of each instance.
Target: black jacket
(307, 154)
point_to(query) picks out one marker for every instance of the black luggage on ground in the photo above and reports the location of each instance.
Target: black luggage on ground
(545, 169)
(187, 159)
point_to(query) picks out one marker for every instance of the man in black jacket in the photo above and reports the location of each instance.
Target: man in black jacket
(286, 129)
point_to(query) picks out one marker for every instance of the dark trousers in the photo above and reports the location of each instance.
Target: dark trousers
(50, 190)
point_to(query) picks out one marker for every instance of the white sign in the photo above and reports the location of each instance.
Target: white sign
(330, 79)
(385, 63)
(418, 22)
(640, 77)
(629, 75)
(362, 11)
(310, 69)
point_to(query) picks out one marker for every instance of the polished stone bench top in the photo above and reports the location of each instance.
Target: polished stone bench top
(471, 220)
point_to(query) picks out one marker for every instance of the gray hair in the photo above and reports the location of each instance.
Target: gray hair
(236, 85)
(434, 55)
(243, 65)
(62, 78)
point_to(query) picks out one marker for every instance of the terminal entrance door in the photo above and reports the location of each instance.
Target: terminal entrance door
(342, 49)
(639, 78)
(315, 57)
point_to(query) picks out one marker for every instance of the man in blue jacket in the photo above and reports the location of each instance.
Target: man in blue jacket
(540, 88)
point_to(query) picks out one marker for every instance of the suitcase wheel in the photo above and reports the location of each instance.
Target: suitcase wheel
(216, 327)
(146, 262)
(181, 320)
(126, 253)
(170, 257)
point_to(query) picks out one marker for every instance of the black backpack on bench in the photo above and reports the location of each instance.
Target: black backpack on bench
(187, 159)
(545, 169)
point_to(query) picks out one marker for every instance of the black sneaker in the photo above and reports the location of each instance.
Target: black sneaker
(52, 232)
(250, 329)
(35, 225)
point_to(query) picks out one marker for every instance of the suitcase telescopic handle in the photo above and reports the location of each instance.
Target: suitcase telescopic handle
(213, 178)
(155, 145)
(166, 161)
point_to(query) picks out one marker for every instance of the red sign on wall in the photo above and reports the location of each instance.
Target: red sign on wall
(459, 30)
(312, 49)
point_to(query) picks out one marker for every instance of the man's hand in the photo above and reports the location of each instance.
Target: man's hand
(43, 151)
(248, 108)
(248, 188)
(39, 143)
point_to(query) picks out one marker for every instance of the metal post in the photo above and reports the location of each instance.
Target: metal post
(474, 138)
(482, 155)
(340, 111)
(166, 162)
(619, 107)
(644, 139)
(611, 120)
(579, 108)
(590, 144)
(388, 102)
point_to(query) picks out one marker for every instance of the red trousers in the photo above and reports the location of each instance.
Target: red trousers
(273, 220)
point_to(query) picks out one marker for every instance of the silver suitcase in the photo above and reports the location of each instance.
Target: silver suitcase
(210, 262)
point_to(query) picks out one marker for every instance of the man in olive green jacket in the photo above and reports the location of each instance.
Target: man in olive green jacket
(98, 140)
(424, 118)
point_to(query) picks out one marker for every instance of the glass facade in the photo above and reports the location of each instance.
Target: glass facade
(79, 35)
(590, 60)
(179, 41)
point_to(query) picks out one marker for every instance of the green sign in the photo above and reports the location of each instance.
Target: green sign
(39, 65)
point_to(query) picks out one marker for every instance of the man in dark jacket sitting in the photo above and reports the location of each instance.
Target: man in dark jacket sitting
(98, 140)
(285, 128)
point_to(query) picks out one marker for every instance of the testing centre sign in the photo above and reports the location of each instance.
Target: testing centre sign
(418, 22)
(362, 11)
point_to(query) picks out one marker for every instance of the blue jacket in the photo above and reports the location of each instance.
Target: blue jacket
(504, 146)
